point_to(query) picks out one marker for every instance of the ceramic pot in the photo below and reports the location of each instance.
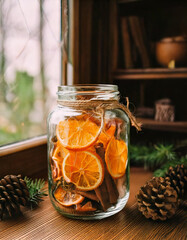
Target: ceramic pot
(169, 49)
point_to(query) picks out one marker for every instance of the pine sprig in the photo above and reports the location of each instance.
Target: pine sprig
(36, 192)
(160, 155)
(139, 153)
(164, 169)
(152, 157)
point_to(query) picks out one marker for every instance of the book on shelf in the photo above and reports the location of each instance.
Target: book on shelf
(127, 45)
(139, 35)
(135, 42)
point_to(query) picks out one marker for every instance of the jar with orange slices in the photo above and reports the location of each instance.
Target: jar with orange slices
(88, 160)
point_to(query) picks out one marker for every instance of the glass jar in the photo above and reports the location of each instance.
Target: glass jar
(88, 163)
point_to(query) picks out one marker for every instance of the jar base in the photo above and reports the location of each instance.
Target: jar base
(97, 215)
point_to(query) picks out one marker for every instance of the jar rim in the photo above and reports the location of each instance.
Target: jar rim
(95, 91)
(77, 87)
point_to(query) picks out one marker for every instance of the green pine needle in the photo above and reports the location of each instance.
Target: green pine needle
(139, 153)
(160, 155)
(36, 192)
(152, 157)
(164, 169)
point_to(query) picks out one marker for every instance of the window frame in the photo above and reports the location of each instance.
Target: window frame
(22, 145)
(16, 157)
(28, 158)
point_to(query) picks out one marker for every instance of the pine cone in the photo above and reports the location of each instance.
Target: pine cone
(157, 199)
(13, 193)
(178, 177)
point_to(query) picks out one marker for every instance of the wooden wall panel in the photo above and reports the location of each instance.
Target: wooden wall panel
(100, 42)
(85, 31)
(93, 55)
(76, 42)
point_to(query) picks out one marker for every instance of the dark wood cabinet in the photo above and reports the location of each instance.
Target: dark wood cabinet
(146, 84)
(100, 49)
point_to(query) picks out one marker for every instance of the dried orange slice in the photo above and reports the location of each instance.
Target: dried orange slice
(106, 135)
(59, 153)
(58, 156)
(111, 130)
(77, 134)
(116, 157)
(84, 169)
(56, 168)
(67, 198)
(92, 117)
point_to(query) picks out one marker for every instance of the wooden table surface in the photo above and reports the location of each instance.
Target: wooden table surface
(45, 223)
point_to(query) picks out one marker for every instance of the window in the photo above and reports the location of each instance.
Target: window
(30, 54)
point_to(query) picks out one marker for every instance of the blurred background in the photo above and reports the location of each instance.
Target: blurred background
(139, 45)
(131, 43)
(30, 55)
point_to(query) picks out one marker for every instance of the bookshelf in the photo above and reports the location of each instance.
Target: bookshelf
(116, 44)
(139, 25)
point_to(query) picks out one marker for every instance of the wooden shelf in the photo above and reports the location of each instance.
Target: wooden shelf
(164, 126)
(147, 1)
(150, 73)
(128, 1)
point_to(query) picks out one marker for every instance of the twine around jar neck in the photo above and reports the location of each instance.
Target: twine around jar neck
(101, 106)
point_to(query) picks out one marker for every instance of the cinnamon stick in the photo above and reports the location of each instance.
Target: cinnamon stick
(120, 183)
(87, 207)
(110, 184)
(88, 194)
(119, 126)
(103, 196)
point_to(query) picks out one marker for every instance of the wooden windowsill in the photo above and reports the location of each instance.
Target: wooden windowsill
(45, 223)
(22, 145)
(28, 158)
